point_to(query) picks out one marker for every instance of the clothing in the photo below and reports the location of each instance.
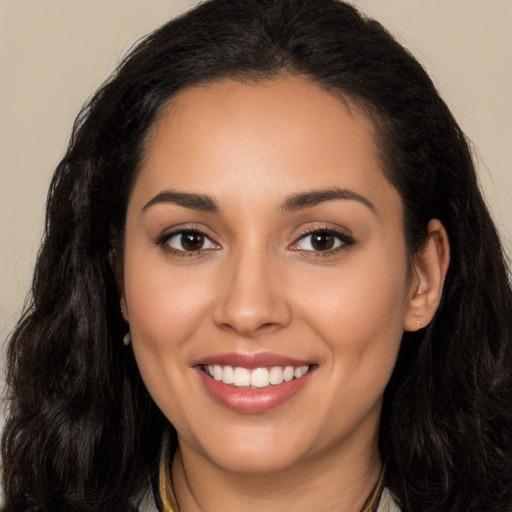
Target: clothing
(387, 503)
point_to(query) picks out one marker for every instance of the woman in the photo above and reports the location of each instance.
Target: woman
(268, 281)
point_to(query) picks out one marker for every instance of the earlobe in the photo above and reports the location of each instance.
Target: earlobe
(123, 307)
(430, 268)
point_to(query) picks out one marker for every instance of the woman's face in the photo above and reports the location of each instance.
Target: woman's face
(264, 241)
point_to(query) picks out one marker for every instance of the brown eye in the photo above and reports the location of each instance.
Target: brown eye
(192, 241)
(322, 241)
(189, 241)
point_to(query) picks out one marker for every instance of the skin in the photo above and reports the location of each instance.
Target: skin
(257, 286)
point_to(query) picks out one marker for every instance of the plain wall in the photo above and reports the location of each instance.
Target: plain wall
(55, 53)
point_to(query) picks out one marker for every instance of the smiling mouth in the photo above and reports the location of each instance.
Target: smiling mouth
(257, 378)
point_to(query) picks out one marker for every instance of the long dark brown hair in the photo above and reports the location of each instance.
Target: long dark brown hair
(82, 432)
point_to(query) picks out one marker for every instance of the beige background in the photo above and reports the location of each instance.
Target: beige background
(54, 54)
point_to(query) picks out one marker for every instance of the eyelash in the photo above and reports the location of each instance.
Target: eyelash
(343, 240)
(163, 241)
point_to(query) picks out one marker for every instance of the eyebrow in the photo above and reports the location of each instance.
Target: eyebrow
(199, 202)
(315, 197)
(204, 203)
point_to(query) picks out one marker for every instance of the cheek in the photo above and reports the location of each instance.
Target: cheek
(165, 307)
(360, 315)
(164, 311)
(163, 299)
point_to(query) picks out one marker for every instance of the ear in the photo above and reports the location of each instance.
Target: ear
(429, 272)
(124, 309)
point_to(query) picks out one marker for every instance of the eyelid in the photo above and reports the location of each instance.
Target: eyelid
(343, 236)
(345, 240)
(164, 238)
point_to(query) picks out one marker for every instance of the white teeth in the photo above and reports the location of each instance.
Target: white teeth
(241, 377)
(289, 373)
(217, 372)
(228, 375)
(257, 378)
(260, 378)
(299, 372)
(276, 375)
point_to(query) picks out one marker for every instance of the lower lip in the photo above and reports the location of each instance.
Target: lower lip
(252, 401)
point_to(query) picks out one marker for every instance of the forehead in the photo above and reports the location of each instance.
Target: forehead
(268, 137)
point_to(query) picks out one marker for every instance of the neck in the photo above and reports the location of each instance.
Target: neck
(339, 481)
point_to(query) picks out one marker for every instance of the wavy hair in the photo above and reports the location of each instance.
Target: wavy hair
(82, 432)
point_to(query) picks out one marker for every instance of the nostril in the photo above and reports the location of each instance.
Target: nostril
(250, 304)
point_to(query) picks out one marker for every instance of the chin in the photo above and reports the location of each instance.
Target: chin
(251, 452)
(263, 464)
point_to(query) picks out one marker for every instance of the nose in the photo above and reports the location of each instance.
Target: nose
(252, 296)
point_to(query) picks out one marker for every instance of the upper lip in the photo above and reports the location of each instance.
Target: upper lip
(251, 361)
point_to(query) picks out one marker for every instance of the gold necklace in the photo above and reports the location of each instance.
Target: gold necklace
(166, 492)
(169, 500)
(375, 494)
